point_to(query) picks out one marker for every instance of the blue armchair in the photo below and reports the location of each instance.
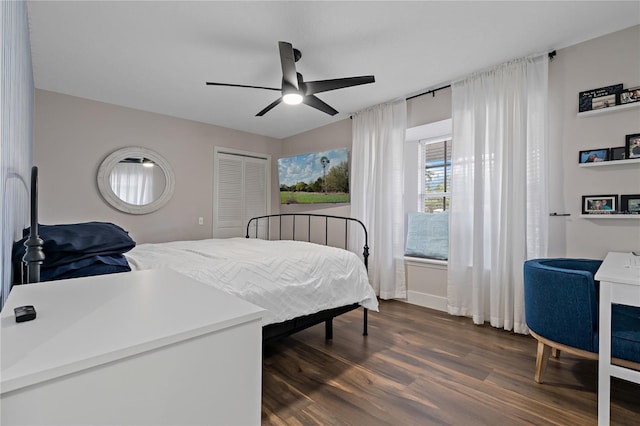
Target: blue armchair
(561, 310)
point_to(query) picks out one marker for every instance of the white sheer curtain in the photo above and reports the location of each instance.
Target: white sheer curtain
(16, 131)
(132, 183)
(376, 188)
(499, 190)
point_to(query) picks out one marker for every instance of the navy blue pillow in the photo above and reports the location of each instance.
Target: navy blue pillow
(89, 266)
(72, 242)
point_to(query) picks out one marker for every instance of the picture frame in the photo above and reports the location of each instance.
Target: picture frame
(618, 153)
(603, 102)
(586, 98)
(632, 146)
(315, 178)
(630, 95)
(593, 155)
(599, 204)
(630, 203)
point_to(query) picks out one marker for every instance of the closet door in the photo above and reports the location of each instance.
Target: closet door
(255, 190)
(241, 191)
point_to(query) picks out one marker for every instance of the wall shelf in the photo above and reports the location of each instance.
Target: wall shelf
(611, 163)
(608, 110)
(610, 216)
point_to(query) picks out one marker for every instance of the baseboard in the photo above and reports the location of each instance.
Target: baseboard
(427, 300)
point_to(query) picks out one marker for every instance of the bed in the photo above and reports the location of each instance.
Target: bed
(281, 264)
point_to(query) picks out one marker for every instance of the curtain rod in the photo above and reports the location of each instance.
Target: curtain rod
(429, 91)
(433, 91)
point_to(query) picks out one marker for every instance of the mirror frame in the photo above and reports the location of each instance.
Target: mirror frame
(107, 165)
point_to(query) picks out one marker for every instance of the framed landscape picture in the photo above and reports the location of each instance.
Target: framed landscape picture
(319, 177)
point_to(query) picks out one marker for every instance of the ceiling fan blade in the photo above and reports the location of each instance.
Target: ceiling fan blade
(287, 59)
(269, 108)
(337, 83)
(241, 85)
(316, 103)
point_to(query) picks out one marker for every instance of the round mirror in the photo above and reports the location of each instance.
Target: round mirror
(136, 180)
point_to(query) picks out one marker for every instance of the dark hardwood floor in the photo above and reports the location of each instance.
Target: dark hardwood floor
(423, 367)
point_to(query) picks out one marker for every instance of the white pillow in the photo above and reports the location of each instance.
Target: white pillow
(428, 235)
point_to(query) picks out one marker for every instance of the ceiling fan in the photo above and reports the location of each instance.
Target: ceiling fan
(295, 90)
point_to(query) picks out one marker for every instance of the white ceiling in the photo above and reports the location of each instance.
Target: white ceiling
(157, 55)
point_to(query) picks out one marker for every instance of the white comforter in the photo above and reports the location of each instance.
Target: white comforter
(287, 278)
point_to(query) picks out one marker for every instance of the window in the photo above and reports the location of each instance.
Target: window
(435, 175)
(427, 187)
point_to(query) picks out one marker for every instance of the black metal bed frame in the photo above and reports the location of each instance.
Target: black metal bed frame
(272, 332)
(34, 254)
(34, 257)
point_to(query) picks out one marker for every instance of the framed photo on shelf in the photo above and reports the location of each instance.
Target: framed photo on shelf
(603, 102)
(630, 95)
(633, 146)
(598, 98)
(618, 153)
(594, 155)
(630, 204)
(599, 204)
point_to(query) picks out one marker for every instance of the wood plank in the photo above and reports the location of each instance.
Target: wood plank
(420, 366)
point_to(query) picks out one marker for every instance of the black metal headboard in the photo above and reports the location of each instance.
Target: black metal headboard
(34, 255)
(308, 216)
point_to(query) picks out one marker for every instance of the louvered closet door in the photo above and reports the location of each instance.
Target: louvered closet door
(241, 191)
(255, 191)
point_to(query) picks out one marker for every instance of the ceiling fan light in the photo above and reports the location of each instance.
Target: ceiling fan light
(292, 98)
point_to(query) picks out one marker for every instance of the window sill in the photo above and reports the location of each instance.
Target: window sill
(425, 260)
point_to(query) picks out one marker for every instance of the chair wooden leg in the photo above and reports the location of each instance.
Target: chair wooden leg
(542, 358)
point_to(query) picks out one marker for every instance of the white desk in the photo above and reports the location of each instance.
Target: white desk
(618, 284)
(150, 347)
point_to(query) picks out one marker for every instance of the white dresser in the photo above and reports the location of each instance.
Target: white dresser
(619, 277)
(138, 348)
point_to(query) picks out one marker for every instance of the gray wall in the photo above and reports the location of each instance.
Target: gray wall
(607, 60)
(74, 135)
(429, 108)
